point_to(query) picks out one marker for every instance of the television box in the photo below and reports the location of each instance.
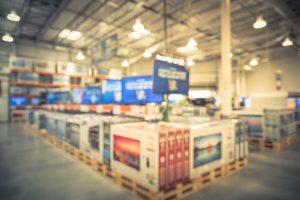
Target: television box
(241, 139)
(111, 91)
(92, 95)
(61, 79)
(51, 125)
(42, 120)
(28, 77)
(138, 90)
(96, 136)
(211, 146)
(44, 66)
(73, 69)
(61, 121)
(30, 117)
(18, 90)
(153, 153)
(20, 63)
(74, 130)
(18, 101)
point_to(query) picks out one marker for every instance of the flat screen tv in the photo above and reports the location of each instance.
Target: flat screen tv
(176, 98)
(18, 101)
(35, 101)
(51, 98)
(138, 90)
(77, 95)
(291, 103)
(92, 95)
(207, 149)
(298, 103)
(63, 97)
(111, 91)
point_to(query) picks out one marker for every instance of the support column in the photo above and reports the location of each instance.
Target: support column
(226, 86)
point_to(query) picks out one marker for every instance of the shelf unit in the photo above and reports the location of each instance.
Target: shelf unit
(59, 74)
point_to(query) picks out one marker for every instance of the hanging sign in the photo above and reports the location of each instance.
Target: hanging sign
(170, 78)
(278, 79)
(104, 49)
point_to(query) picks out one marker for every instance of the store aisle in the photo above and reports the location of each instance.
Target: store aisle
(31, 168)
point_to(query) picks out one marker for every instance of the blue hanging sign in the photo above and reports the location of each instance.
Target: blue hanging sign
(170, 78)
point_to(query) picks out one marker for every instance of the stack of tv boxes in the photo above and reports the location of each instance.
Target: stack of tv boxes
(156, 155)
(278, 124)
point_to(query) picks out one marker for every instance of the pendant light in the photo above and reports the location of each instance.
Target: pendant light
(287, 42)
(259, 23)
(80, 56)
(125, 63)
(7, 38)
(13, 16)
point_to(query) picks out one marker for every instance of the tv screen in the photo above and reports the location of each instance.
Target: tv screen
(176, 98)
(298, 103)
(51, 98)
(207, 149)
(111, 91)
(18, 101)
(138, 90)
(35, 101)
(291, 103)
(92, 95)
(77, 95)
(63, 97)
(127, 151)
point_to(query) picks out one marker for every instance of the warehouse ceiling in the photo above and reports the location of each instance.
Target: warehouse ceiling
(43, 20)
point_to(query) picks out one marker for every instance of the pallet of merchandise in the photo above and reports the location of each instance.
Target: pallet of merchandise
(177, 192)
(276, 145)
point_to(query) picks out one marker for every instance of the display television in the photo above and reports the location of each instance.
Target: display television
(127, 151)
(207, 149)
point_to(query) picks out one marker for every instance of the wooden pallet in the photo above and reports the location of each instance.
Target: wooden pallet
(177, 192)
(276, 145)
(182, 189)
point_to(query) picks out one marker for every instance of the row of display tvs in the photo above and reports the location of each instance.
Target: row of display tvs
(24, 101)
(129, 90)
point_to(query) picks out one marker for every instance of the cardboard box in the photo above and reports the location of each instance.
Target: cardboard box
(61, 79)
(44, 66)
(211, 146)
(155, 153)
(20, 63)
(28, 77)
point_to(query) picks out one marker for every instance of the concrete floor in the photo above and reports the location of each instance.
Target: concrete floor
(31, 168)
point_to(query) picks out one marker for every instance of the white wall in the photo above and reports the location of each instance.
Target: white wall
(263, 78)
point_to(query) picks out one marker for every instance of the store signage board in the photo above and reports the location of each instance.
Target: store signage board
(104, 49)
(111, 91)
(138, 90)
(170, 78)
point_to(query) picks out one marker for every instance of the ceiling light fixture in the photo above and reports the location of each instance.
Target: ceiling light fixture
(190, 63)
(248, 68)
(80, 56)
(259, 23)
(230, 55)
(191, 43)
(191, 46)
(13, 16)
(125, 63)
(287, 42)
(70, 35)
(147, 54)
(7, 38)
(139, 27)
(253, 62)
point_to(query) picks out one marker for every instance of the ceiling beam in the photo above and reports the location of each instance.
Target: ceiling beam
(51, 19)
